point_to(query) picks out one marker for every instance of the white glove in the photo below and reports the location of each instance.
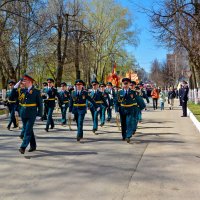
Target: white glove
(17, 84)
(69, 115)
(98, 109)
(117, 114)
(38, 118)
(110, 107)
(16, 114)
(63, 105)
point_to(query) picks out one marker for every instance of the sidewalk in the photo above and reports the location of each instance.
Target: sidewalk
(162, 162)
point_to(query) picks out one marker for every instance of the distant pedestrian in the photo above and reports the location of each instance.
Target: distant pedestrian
(184, 98)
(171, 97)
(155, 97)
(162, 99)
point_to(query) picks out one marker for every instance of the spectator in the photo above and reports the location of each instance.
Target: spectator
(184, 98)
(155, 97)
(171, 97)
(162, 99)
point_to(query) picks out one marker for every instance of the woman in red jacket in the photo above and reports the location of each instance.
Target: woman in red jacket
(155, 97)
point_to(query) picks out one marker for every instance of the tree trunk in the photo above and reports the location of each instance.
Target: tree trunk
(59, 71)
(76, 61)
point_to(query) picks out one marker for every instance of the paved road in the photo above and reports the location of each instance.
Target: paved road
(162, 162)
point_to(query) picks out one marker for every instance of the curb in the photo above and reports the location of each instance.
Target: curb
(194, 119)
(4, 116)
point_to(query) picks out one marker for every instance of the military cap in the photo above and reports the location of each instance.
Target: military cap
(141, 83)
(137, 87)
(11, 82)
(94, 81)
(63, 84)
(133, 82)
(102, 84)
(27, 77)
(79, 81)
(109, 83)
(44, 83)
(50, 79)
(126, 80)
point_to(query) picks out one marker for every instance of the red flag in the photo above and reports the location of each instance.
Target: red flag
(114, 68)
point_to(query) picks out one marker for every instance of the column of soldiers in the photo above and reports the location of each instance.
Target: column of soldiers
(102, 99)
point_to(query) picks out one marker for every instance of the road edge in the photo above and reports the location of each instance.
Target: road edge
(193, 119)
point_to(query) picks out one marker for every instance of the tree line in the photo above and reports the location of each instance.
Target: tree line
(64, 39)
(176, 24)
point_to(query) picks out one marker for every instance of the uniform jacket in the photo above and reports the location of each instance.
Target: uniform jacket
(28, 98)
(52, 94)
(98, 97)
(184, 96)
(64, 97)
(81, 100)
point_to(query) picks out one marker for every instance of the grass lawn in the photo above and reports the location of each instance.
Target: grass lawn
(195, 109)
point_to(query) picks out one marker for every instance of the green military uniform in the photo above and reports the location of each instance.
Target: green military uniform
(31, 106)
(64, 104)
(78, 107)
(127, 105)
(12, 105)
(52, 93)
(99, 99)
(44, 97)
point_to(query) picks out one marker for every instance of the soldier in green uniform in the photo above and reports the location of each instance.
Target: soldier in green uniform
(31, 105)
(64, 96)
(99, 99)
(44, 97)
(126, 107)
(78, 107)
(52, 93)
(107, 98)
(12, 105)
(112, 96)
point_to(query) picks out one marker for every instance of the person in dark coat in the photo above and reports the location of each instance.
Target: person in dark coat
(184, 98)
(180, 94)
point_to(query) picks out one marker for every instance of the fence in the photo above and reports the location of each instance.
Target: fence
(194, 95)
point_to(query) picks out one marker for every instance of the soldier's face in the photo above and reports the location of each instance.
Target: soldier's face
(26, 82)
(79, 86)
(126, 85)
(63, 87)
(11, 86)
(109, 86)
(95, 86)
(50, 84)
(102, 88)
(132, 86)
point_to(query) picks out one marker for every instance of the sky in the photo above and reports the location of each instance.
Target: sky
(148, 48)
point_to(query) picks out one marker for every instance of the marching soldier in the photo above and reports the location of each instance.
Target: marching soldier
(64, 97)
(44, 97)
(12, 105)
(52, 93)
(127, 108)
(77, 106)
(132, 85)
(31, 105)
(99, 99)
(112, 96)
(107, 98)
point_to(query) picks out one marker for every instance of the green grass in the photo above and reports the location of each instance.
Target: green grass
(2, 112)
(195, 109)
